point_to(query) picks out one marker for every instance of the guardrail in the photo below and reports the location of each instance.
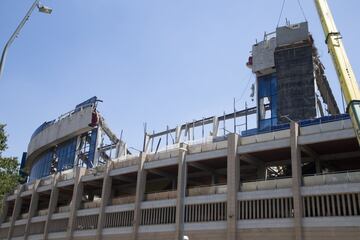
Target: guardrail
(302, 123)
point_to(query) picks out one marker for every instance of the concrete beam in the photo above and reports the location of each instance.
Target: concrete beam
(326, 157)
(125, 179)
(309, 151)
(251, 160)
(204, 168)
(327, 136)
(339, 156)
(162, 174)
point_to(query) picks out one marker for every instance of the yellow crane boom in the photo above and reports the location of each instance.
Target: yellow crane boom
(342, 64)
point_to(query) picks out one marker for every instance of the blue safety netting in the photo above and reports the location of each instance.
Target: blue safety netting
(42, 166)
(66, 154)
(267, 88)
(91, 155)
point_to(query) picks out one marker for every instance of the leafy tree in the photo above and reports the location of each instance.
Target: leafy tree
(9, 167)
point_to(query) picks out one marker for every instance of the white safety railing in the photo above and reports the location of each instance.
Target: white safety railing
(37, 228)
(86, 222)
(265, 208)
(18, 230)
(205, 212)
(331, 205)
(4, 233)
(58, 225)
(155, 216)
(119, 219)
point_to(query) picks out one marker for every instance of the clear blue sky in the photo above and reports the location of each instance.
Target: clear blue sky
(163, 62)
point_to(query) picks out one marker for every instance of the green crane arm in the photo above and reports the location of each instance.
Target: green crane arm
(342, 64)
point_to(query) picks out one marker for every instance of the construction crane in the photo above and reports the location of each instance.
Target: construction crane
(348, 83)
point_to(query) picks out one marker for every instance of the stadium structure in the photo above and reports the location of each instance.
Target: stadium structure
(295, 176)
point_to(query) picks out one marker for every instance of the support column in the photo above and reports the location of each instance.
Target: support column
(140, 190)
(54, 196)
(233, 182)
(296, 179)
(75, 201)
(317, 166)
(261, 172)
(215, 126)
(181, 189)
(32, 208)
(4, 209)
(105, 196)
(16, 211)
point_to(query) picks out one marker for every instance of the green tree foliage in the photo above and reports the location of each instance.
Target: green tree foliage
(9, 167)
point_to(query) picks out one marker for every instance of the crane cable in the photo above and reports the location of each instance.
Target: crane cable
(282, 10)
(302, 10)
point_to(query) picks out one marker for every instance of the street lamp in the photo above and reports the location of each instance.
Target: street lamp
(42, 9)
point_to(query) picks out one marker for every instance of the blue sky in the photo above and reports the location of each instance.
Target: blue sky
(163, 62)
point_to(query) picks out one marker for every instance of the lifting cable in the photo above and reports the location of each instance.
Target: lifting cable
(282, 10)
(302, 10)
(246, 88)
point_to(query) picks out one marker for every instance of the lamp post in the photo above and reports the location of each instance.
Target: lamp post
(42, 9)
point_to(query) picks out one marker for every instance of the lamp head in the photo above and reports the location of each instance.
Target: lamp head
(44, 9)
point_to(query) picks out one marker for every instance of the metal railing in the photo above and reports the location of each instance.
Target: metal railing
(302, 123)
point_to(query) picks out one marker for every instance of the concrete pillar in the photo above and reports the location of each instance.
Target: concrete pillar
(181, 189)
(54, 196)
(16, 211)
(32, 208)
(4, 209)
(233, 182)
(261, 172)
(296, 179)
(215, 126)
(140, 190)
(317, 165)
(213, 179)
(75, 201)
(105, 196)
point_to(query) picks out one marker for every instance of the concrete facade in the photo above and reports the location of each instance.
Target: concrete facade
(68, 127)
(214, 195)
